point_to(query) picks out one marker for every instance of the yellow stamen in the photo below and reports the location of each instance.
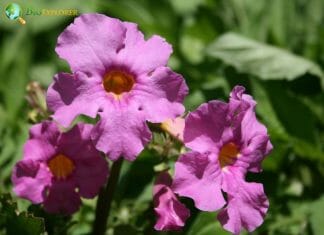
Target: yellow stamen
(228, 153)
(61, 166)
(117, 82)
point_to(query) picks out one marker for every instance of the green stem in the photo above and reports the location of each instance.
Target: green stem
(105, 199)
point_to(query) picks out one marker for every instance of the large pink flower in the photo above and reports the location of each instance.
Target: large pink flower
(118, 75)
(58, 168)
(227, 141)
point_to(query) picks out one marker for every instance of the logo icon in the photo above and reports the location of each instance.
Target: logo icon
(13, 12)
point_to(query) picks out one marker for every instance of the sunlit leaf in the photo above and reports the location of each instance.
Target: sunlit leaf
(264, 61)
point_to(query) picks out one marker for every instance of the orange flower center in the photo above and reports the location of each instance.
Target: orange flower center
(117, 82)
(228, 153)
(61, 166)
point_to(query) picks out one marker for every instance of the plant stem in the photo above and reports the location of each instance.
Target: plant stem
(105, 199)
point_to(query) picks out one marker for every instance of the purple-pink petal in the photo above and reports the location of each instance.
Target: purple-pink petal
(161, 94)
(247, 205)
(254, 139)
(171, 213)
(38, 149)
(91, 43)
(205, 126)
(31, 179)
(198, 176)
(90, 175)
(62, 199)
(91, 169)
(121, 132)
(142, 57)
(72, 95)
(44, 130)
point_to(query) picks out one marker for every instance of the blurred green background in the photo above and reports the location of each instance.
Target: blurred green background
(274, 48)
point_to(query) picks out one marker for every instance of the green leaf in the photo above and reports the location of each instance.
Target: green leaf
(264, 61)
(297, 118)
(206, 224)
(125, 229)
(186, 7)
(317, 216)
(18, 222)
(195, 35)
(43, 73)
(194, 99)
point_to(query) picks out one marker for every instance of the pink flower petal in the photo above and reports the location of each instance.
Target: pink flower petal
(254, 139)
(205, 126)
(171, 214)
(72, 95)
(121, 132)
(62, 198)
(91, 169)
(91, 174)
(142, 56)
(247, 204)
(45, 130)
(30, 180)
(38, 150)
(161, 94)
(198, 176)
(91, 42)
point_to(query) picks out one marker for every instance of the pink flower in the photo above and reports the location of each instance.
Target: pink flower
(118, 75)
(226, 141)
(58, 168)
(171, 214)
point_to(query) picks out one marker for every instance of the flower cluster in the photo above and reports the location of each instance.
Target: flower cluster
(227, 141)
(117, 75)
(58, 168)
(123, 79)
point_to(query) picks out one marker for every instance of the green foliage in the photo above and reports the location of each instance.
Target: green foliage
(261, 60)
(206, 224)
(14, 222)
(316, 218)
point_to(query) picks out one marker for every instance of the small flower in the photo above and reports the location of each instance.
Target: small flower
(118, 75)
(227, 141)
(174, 127)
(171, 214)
(58, 168)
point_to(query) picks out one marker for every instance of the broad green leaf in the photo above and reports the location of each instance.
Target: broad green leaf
(206, 224)
(317, 215)
(18, 222)
(297, 119)
(265, 109)
(264, 61)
